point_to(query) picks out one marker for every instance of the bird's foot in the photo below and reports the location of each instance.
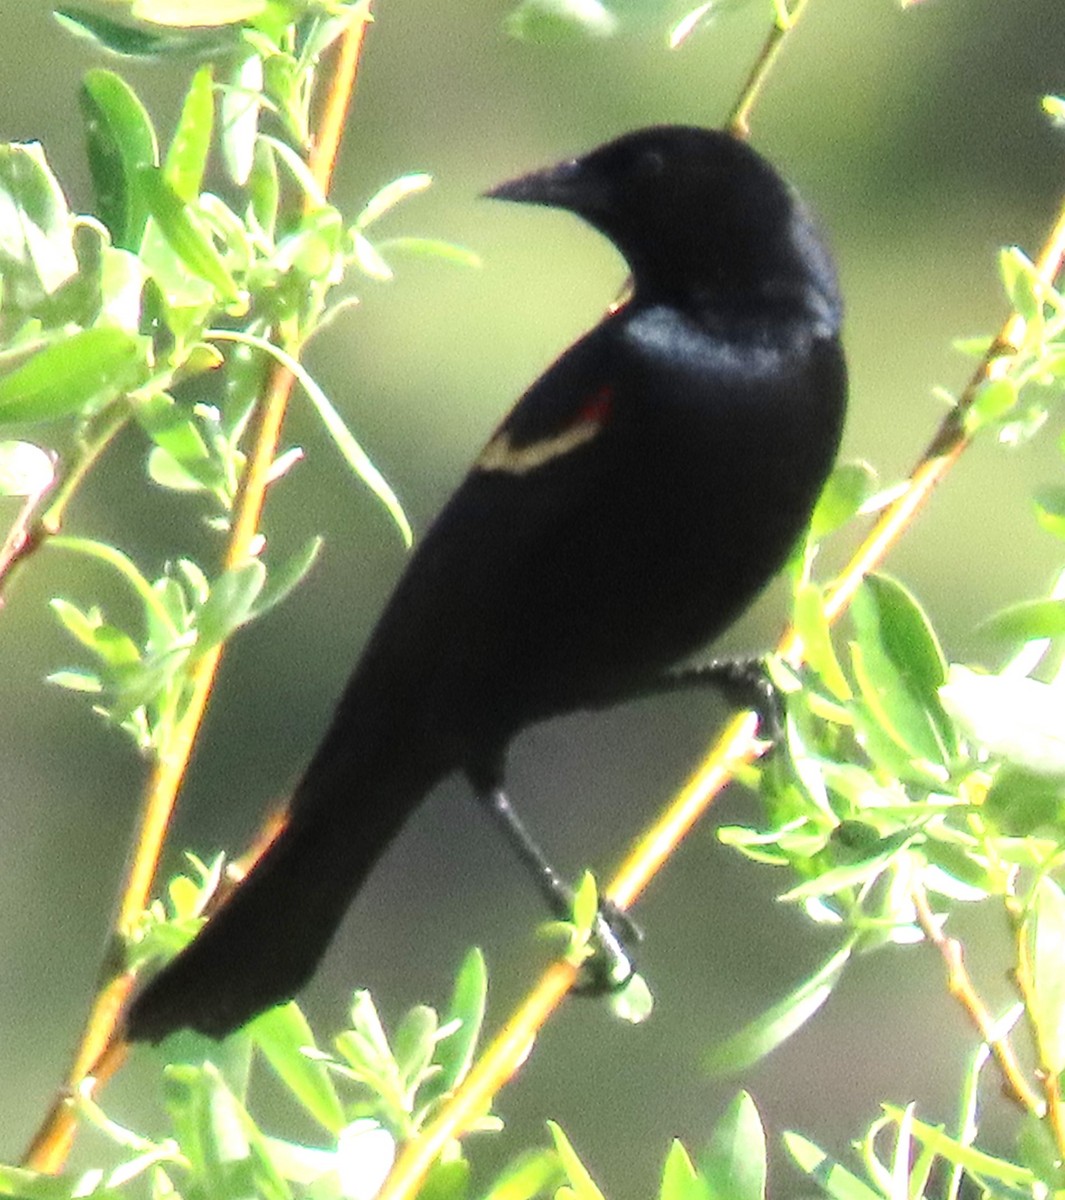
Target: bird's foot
(607, 967)
(745, 683)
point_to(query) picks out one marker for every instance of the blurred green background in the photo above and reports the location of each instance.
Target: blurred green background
(918, 137)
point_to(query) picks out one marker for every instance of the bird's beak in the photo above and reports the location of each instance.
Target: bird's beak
(560, 186)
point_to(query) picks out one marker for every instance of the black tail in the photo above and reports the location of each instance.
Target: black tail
(265, 942)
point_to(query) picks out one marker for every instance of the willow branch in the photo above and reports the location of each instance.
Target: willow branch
(960, 986)
(100, 1051)
(787, 18)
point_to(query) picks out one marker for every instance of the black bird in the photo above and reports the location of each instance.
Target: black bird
(629, 508)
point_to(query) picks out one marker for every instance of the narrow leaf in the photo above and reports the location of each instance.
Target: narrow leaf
(752, 1043)
(390, 195)
(186, 160)
(122, 143)
(734, 1162)
(836, 1181)
(282, 1034)
(25, 469)
(580, 1181)
(185, 233)
(88, 369)
(230, 604)
(353, 453)
(241, 102)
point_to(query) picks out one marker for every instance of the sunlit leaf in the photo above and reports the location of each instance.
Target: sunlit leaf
(282, 1034)
(230, 604)
(181, 13)
(241, 102)
(582, 1185)
(186, 159)
(391, 195)
(25, 469)
(757, 1039)
(734, 1161)
(184, 231)
(36, 231)
(122, 143)
(548, 21)
(833, 1178)
(1015, 718)
(85, 370)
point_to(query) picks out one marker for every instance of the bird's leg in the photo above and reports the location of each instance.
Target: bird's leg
(743, 682)
(610, 968)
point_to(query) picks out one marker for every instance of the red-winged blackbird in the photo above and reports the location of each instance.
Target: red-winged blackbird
(629, 508)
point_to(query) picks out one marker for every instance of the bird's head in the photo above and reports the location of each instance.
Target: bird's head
(693, 211)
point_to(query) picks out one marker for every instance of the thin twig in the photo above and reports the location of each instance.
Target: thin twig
(51, 1145)
(738, 122)
(960, 986)
(1024, 979)
(736, 745)
(37, 523)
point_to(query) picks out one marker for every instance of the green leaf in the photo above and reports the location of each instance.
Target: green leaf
(353, 453)
(241, 102)
(185, 234)
(282, 579)
(421, 247)
(1045, 930)
(900, 668)
(680, 1180)
(455, 1053)
(994, 398)
(1020, 802)
(985, 1167)
(113, 557)
(1027, 621)
(581, 1183)
(446, 1180)
(391, 195)
(634, 1002)
(1050, 509)
(835, 1180)
(734, 1162)
(532, 1174)
(230, 604)
(263, 188)
(849, 875)
(549, 21)
(369, 259)
(131, 41)
(121, 143)
(1015, 718)
(228, 1156)
(188, 13)
(177, 436)
(25, 469)
(752, 1043)
(847, 489)
(186, 159)
(76, 681)
(80, 625)
(36, 229)
(282, 1034)
(1021, 281)
(414, 1043)
(812, 626)
(86, 370)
